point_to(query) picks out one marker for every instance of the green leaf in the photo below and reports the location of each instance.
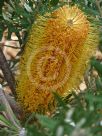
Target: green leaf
(47, 122)
(97, 65)
(32, 130)
(59, 100)
(54, 2)
(3, 132)
(4, 121)
(92, 98)
(98, 84)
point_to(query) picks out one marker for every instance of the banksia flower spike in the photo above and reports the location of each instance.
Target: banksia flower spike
(55, 58)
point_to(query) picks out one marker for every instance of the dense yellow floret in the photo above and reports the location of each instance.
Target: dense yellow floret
(56, 55)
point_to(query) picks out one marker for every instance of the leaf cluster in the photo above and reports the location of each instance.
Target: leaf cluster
(83, 114)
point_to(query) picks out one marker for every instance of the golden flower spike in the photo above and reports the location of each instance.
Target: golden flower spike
(55, 58)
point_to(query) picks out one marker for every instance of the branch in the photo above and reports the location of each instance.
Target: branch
(7, 72)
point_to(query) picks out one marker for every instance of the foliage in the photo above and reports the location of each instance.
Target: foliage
(82, 119)
(83, 114)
